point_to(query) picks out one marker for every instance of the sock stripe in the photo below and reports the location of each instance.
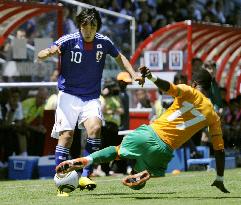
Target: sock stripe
(62, 149)
(94, 143)
(62, 152)
(94, 139)
(91, 141)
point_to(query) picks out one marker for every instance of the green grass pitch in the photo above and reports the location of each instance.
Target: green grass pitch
(184, 189)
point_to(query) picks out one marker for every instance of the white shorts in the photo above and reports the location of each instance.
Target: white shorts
(71, 109)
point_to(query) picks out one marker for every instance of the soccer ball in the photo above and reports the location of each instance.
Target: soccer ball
(67, 182)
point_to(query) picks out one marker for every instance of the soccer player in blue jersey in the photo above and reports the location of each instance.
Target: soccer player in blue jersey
(82, 61)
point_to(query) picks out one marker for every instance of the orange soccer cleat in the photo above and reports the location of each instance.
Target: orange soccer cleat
(70, 165)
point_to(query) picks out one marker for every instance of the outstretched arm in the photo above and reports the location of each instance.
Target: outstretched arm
(220, 163)
(136, 181)
(163, 85)
(218, 146)
(125, 64)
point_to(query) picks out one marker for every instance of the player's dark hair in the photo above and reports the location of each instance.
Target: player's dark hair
(203, 79)
(180, 78)
(209, 64)
(89, 16)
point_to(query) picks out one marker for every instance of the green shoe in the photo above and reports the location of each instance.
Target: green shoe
(86, 183)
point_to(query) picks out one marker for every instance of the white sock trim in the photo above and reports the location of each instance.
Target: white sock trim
(153, 78)
(219, 178)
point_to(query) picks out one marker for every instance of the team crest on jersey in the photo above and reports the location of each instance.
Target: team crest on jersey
(99, 55)
(99, 46)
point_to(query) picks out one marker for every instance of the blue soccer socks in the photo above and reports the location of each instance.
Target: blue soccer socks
(61, 154)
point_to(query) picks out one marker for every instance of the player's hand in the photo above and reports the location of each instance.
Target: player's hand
(220, 186)
(139, 79)
(136, 179)
(54, 49)
(49, 52)
(145, 72)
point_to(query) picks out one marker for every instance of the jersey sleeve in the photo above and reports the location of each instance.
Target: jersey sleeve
(178, 90)
(215, 132)
(111, 49)
(62, 42)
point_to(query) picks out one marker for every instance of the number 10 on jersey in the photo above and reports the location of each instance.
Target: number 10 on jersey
(76, 57)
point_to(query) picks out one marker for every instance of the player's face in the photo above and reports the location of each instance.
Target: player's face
(88, 31)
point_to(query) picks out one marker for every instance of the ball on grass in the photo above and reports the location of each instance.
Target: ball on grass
(67, 182)
(176, 172)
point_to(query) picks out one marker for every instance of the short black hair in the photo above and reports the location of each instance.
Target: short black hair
(180, 78)
(202, 78)
(209, 64)
(89, 15)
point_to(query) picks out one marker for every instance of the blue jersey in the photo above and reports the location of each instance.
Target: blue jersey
(81, 66)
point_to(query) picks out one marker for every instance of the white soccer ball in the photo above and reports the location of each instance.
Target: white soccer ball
(67, 182)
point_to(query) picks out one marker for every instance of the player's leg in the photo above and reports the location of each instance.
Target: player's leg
(149, 152)
(62, 151)
(66, 117)
(130, 148)
(156, 156)
(64, 144)
(143, 146)
(91, 118)
(104, 155)
(93, 143)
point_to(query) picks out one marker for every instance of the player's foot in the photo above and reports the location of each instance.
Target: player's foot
(86, 183)
(79, 163)
(71, 165)
(62, 194)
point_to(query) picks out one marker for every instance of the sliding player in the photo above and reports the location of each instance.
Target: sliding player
(151, 147)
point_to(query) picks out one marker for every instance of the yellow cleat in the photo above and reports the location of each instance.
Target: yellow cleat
(62, 194)
(86, 183)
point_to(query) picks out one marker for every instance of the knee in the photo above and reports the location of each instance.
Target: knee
(94, 130)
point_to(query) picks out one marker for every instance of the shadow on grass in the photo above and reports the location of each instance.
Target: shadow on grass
(135, 196)
(183, 197)
(127, 194)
